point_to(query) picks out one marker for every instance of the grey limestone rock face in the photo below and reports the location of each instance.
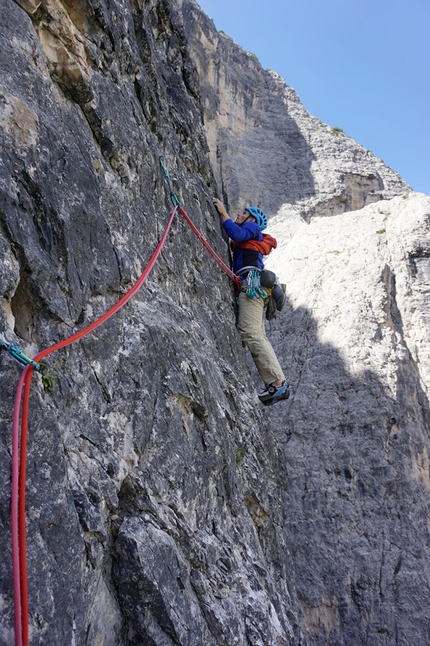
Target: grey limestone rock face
(164, 505)
(153, 514)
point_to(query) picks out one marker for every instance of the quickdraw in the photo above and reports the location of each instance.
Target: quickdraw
(173, 196)
(254, 288)
(19, 355)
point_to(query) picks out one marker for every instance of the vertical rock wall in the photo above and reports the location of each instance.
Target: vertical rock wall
(163, 505)
(354, 341)
(153, 513)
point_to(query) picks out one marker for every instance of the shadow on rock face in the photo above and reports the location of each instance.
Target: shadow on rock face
(357, 497)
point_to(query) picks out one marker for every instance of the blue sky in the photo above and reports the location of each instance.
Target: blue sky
(362, 65)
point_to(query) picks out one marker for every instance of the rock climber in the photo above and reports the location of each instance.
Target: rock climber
(244, 233)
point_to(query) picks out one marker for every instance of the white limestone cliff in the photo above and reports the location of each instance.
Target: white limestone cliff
(355, 343)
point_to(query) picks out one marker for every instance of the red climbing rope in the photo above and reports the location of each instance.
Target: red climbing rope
(176, 202)
(19, 459)
(206, 244)
(19, 464)
(14, 511)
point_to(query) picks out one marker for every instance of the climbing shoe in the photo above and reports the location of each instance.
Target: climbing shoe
(273, 395)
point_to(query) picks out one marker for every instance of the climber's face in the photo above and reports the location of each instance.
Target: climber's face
(241, 217)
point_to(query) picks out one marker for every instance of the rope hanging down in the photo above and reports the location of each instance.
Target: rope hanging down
(19, 455)
(19, 461)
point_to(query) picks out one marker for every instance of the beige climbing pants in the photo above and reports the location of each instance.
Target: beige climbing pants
(253, 334)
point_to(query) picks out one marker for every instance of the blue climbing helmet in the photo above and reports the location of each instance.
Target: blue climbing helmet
(259, 215)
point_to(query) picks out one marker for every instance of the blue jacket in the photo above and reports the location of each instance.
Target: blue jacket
(241, 233)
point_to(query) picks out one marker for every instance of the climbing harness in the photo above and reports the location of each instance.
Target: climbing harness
(21, 411)
(263, 283)
(19, 355)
